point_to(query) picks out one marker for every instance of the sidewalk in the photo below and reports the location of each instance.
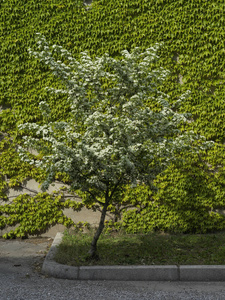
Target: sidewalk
(22, 256)
(130, 273)
(20, 278)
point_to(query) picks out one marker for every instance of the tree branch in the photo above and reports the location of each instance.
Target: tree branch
(115, 187)
(93, 196)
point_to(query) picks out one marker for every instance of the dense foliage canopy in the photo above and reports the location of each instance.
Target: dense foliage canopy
(112, 137)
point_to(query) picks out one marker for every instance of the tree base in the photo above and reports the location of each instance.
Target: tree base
(92, 257)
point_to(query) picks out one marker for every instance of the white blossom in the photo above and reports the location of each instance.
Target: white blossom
(113, 138)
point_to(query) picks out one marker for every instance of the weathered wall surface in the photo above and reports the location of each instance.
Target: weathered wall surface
(32, 187)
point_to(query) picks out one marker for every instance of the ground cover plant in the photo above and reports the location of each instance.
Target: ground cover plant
(121, 130)
(119, 248)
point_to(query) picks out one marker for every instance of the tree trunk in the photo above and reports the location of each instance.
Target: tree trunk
(93, 250)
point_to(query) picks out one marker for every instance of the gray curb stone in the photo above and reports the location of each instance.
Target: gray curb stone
(130, 273)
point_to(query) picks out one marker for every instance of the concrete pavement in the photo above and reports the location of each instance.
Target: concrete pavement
(21, 279)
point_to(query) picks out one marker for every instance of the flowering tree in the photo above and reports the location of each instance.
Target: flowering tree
(112, 138)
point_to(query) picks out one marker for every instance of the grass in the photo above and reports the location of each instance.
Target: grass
(144, 249)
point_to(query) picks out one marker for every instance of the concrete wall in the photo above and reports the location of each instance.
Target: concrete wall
(31, 187)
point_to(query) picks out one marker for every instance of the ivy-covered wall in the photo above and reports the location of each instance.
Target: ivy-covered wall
(194, 49)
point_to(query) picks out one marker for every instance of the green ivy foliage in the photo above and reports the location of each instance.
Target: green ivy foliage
(35, 215)
(188, 202)
(194, 49)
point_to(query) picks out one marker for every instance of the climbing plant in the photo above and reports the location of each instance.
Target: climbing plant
(193, 51)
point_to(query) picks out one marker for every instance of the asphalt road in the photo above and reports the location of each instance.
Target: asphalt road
(20, 279)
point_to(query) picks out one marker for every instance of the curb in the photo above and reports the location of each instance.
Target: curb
(130, 273)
